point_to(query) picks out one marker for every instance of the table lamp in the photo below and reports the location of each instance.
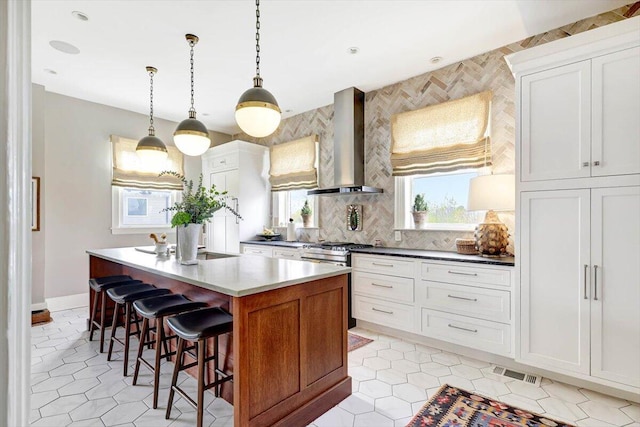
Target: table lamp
(492, 193)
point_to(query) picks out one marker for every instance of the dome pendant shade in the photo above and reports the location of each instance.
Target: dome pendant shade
(152, 151)
(257, 112)
(191, 136)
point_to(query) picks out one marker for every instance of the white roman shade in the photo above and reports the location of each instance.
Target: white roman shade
(293, 165)
(445, 137)
(130, 171)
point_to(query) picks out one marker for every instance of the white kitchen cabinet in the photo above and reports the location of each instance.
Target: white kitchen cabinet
(286, 253)
(615, 99)
(615, 273)
(580, 282)
(556, 123)
(261, 250)
(554, 279)
(241, 169)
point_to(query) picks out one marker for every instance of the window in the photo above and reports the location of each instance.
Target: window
(137, 210)
(287, 204)
(446, 195)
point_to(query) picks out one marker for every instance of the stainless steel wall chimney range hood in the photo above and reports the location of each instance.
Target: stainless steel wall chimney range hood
(348, 146)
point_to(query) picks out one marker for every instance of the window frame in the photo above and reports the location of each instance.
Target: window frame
(281, 205)
(402, 211)
(117, 206)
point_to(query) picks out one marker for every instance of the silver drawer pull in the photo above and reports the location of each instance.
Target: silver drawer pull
(223, 161)
(381, 311)
(596, 163)
(585, 164)
(466, 299)
(475, 331)
(381, 286)
(461, 273)
(379, 264)
(288, 255)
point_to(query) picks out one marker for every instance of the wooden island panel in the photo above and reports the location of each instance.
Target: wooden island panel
(295, 368)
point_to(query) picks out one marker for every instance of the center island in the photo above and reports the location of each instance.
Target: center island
(288, 350)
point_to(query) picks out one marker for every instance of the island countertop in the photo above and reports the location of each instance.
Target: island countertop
(233, 275)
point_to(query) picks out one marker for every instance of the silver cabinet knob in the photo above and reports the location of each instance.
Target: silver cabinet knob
(596, 163)
(585, 164)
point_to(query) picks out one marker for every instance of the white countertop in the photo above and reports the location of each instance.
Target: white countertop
(235, 276)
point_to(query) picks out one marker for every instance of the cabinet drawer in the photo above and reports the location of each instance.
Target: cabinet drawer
(384, 313)
(257, 250)
(222, 162)
(488, 304)
(388, 287)
(384, 265)
(464, 274)
(286, 253)
(479, 334)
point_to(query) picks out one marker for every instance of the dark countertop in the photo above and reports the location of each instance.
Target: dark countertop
(279, 243)
(436, 255)
(399, 252)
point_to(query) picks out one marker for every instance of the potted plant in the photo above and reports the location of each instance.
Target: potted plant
(306, 212)
(420, 211)
(196, 207)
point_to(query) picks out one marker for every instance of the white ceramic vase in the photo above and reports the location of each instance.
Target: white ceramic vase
(188, 237)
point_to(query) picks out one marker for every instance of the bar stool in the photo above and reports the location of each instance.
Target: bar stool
(100, 286)
(158, 308)
(197, 326)
(123, 297)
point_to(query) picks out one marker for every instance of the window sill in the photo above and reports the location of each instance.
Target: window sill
(442, 227)
(143, 230)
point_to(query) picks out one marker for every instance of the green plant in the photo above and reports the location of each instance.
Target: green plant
(306, 209)
(198, 204)
(420, 204)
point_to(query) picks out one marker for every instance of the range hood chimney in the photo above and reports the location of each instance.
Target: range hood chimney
(348, 146)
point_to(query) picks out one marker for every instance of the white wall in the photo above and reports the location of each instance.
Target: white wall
(77, 185)
(37, 169)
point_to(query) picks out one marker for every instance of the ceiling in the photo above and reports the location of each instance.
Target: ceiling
(305, 45)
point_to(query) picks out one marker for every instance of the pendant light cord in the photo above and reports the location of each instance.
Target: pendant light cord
(192, 109)
(258, 38)
(151, 128)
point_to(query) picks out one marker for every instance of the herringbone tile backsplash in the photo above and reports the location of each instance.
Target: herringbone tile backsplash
(487, 71)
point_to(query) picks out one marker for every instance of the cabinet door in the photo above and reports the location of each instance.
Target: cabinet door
(556, 123)
(616, 113)
(222, 234)
(554, 300)
(615, 302)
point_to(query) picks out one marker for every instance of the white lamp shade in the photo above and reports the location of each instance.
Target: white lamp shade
(492, 192)
(258, 121)
(191, 145)
(153, 158)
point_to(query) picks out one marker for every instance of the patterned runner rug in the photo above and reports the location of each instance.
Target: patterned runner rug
(356, 341)
(452, 406)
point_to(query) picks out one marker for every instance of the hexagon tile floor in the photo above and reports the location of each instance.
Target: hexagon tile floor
(73, 385)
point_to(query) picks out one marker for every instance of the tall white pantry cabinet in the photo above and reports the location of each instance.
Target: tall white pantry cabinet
(241, 169)
(578, 205)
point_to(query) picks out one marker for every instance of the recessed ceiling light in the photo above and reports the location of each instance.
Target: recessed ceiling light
(288, 111)
(205, 114)
(79, 15)
(64, 47)
(436, 59)
(50, 71)
(353, 50)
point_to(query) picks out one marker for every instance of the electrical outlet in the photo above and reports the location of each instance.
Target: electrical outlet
(398, 235)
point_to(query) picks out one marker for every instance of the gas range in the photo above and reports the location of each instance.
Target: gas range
(332, 252)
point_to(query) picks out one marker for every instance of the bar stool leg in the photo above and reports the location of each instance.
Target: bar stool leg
(202, 348)
(103, 318)
(174, 378)
(114, 326)
(127, 327)
(215, 365)
(145, 330)
(156, 371)
(92, 325)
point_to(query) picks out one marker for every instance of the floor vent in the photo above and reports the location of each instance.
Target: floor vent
(520, 376)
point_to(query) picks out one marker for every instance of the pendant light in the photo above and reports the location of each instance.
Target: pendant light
(191, 136)
(257, 112)
(151, 149)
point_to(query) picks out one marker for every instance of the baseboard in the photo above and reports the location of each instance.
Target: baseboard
(67, 302)
(39, 306)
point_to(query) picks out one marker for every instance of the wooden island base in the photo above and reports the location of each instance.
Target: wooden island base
(289, 350)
